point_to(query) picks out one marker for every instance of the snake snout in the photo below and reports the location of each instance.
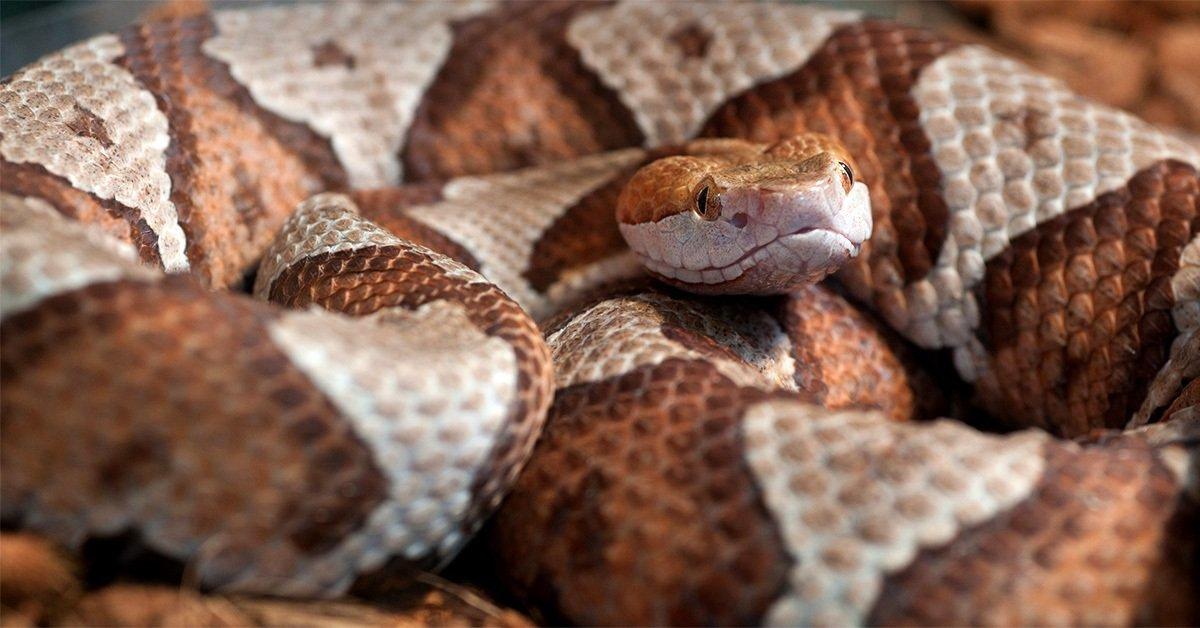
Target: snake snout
(765, 240)
(767, 213)
(825, 206)
(780, 238)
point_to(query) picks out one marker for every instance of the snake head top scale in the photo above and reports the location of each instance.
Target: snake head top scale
(729, 216)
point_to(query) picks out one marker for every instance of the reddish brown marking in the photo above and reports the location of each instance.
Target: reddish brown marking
(696, 341)
(639, 507)
(420, 233)
(387, 207)
(846, 359)
(87, 124)
(1077, 312)
(121, 390)
(1036, 123)
(124, 223)
(584, 234)
(329, 53)
(366, 280)
(857, 88)
(236, 170)
(693, 40)
(381, 203)
(514, 93)
(1080, 550)
(843, 358)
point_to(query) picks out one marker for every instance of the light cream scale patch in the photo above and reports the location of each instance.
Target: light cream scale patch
(42, 254)
(354, 73)
(429, 393)
(856, 496)
(499, 218)
(673, 63)
(41, 102)
(1014, 149)
(1183, 362)
(620, 335)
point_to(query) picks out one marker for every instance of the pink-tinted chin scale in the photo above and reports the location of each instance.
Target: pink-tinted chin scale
(782, 266)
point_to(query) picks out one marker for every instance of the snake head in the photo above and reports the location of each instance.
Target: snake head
(734, 217)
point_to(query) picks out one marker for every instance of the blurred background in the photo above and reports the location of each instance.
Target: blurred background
(1140, 56)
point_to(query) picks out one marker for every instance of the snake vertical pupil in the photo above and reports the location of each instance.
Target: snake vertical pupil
(702, 203)
(847, 175)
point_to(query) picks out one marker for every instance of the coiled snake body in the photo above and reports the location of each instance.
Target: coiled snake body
(706, 460)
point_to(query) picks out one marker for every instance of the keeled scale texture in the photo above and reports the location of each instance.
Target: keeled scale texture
(43, 255)
(960, 133)
(625, 513)
(431, 447)
(345, 468)
(80, 116)
(638, 507)
(236, 169)
(640, 504)
(513, 93)
(323, 224)
(856, 497)
(964, 152)
(1092, 544)
(528, 84)
(673, 64)
(452, 457)
(1079, 316)
(1014, 149)
(206, 425)
(521, 207)
(354, 77)
(620, 335)
(843, 359)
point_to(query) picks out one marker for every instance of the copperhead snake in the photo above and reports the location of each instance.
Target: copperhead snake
(456, 280)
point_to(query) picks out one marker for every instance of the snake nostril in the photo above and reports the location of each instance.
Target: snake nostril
(739, 220)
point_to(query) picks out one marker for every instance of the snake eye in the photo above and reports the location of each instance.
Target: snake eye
(847, 175)
(703, 208)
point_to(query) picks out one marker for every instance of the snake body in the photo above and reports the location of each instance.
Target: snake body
(705, 460)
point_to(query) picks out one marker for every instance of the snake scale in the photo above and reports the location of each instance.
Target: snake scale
(454, 281)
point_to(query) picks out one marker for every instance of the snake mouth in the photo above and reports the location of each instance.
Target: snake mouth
(837, 245)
